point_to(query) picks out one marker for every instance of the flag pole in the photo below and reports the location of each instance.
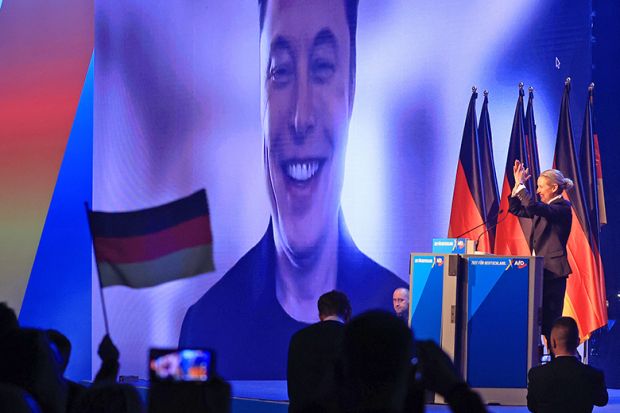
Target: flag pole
(105, 313)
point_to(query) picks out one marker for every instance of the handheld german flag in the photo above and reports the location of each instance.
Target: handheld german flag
(152, 246)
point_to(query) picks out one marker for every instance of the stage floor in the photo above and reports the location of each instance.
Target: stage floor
(271, 397)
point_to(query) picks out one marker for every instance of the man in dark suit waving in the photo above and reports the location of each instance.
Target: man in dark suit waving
(565, 385)
(313, 355)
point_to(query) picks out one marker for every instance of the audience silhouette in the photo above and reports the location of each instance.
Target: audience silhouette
(313, 357)
(28, 361)
(386, 371)
(32, 366)
(371, 364)
(565, 384)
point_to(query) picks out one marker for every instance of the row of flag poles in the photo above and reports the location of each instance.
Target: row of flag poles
(481, 213)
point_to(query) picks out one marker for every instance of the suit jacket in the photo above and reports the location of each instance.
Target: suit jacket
(241, 319)
(313, 356)
(552, 224)
(565, 385)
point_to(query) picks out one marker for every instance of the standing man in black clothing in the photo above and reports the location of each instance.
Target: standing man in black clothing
(565, 385)
(313, 357)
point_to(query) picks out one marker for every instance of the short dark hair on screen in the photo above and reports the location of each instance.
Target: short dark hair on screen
(567, 332)
(334, 303)
(350, 9)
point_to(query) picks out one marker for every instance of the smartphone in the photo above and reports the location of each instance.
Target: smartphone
(178, 365)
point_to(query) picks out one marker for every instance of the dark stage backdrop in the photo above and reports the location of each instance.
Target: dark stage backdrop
(604, 347)
(177, 107)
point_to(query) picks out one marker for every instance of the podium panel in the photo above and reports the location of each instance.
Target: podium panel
(433, 299)
(484, 312)
(502, 329)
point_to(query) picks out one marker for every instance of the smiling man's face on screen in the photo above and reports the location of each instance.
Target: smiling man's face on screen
(305, 108)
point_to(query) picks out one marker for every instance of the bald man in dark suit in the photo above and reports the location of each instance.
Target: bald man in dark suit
(565, 385)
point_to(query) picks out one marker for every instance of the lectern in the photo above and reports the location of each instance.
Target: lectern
(484, 311)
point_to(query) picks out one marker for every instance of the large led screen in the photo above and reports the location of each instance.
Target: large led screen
(326, 137)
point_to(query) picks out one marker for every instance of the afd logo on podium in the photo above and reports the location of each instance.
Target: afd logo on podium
(519, 263)
(450, 245)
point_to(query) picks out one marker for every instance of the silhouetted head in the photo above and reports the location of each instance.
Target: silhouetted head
(62, 346)
(334, 303)
(564, 336)
(377, 351)
(8, 319)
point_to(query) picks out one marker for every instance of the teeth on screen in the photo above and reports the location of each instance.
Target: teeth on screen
(302, 171)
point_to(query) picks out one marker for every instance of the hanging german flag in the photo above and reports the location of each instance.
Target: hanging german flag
(591, 169)
(531, 143)
(489, 178)
(513, 233)
(468, 207)
(585, 299)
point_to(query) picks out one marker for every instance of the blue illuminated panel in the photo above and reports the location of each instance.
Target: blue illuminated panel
(426, 296)
(497, 329)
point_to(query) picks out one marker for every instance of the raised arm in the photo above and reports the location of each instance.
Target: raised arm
(555, 211)
(515, 206)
